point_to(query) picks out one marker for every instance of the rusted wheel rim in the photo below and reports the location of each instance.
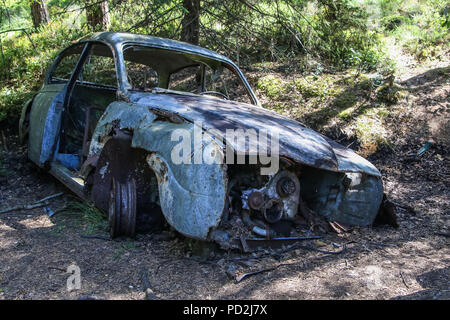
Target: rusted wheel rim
(122, 208)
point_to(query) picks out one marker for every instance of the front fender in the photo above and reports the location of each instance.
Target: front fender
(190, 213)
(192, 196)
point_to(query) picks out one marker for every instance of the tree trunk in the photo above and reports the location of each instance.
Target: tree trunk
(97, 14)
(39, 12)
(191, 21)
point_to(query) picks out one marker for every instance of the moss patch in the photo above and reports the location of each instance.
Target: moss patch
(271, 86)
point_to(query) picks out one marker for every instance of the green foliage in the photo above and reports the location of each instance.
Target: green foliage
(370, 130)
(346, 100)
(24, 61)
(420, 27)
(91, 219)
(312, 87)
(15, 14)
(336, 34)
(271, 86)
(344, 37)
(445, 17)
(392, 22)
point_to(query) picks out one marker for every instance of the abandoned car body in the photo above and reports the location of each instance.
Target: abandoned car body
(104, 120)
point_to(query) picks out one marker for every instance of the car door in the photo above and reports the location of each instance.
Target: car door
(48, 104)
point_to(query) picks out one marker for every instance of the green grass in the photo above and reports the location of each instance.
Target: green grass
(90, 219)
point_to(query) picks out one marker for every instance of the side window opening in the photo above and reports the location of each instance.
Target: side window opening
(99, 68)
(67, 62)
(219, 79)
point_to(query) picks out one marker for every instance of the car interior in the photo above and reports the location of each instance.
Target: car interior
(147, 68)
(93, 91)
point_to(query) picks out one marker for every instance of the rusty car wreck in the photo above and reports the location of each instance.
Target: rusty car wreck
(103, 125)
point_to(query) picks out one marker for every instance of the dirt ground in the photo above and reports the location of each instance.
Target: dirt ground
(411, 262)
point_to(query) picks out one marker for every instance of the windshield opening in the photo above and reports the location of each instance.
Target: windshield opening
(149, 68)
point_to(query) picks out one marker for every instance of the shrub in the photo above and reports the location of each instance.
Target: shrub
(24, 61)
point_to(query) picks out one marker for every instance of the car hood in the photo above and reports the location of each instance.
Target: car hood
(296, 141)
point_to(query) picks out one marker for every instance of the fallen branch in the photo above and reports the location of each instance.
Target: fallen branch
(249, 274)
(337, 227)
(37, 204)
(24, 207)
(56, 268)
(290, 248)
(243, 276)
(296, 246)
(50, 197)
(403, 279)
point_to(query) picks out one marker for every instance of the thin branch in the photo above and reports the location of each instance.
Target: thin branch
(37, 204)
(24, 31)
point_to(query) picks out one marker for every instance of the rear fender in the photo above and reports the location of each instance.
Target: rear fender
(24, 122)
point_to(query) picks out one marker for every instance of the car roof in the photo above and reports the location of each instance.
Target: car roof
(116, 38)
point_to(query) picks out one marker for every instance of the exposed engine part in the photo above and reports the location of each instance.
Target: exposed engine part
(256, 200)
(256, 226)
(285, 187)
(278, 199)
(273, 210)
(246, 203)
(287, 183)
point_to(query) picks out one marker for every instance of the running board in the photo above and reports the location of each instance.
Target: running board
(75, 184)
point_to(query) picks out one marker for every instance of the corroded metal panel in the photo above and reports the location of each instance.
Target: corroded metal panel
(118, 115)
(349, 198)
(296, 141)
(190, 213)
(45, 119)
(192, 196)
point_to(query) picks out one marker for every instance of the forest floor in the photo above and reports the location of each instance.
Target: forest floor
(410, 262)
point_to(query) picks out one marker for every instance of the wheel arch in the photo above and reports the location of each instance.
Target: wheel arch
(24, 120)
(192, 196)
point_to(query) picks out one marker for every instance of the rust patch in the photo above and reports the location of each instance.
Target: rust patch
(165, 115)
